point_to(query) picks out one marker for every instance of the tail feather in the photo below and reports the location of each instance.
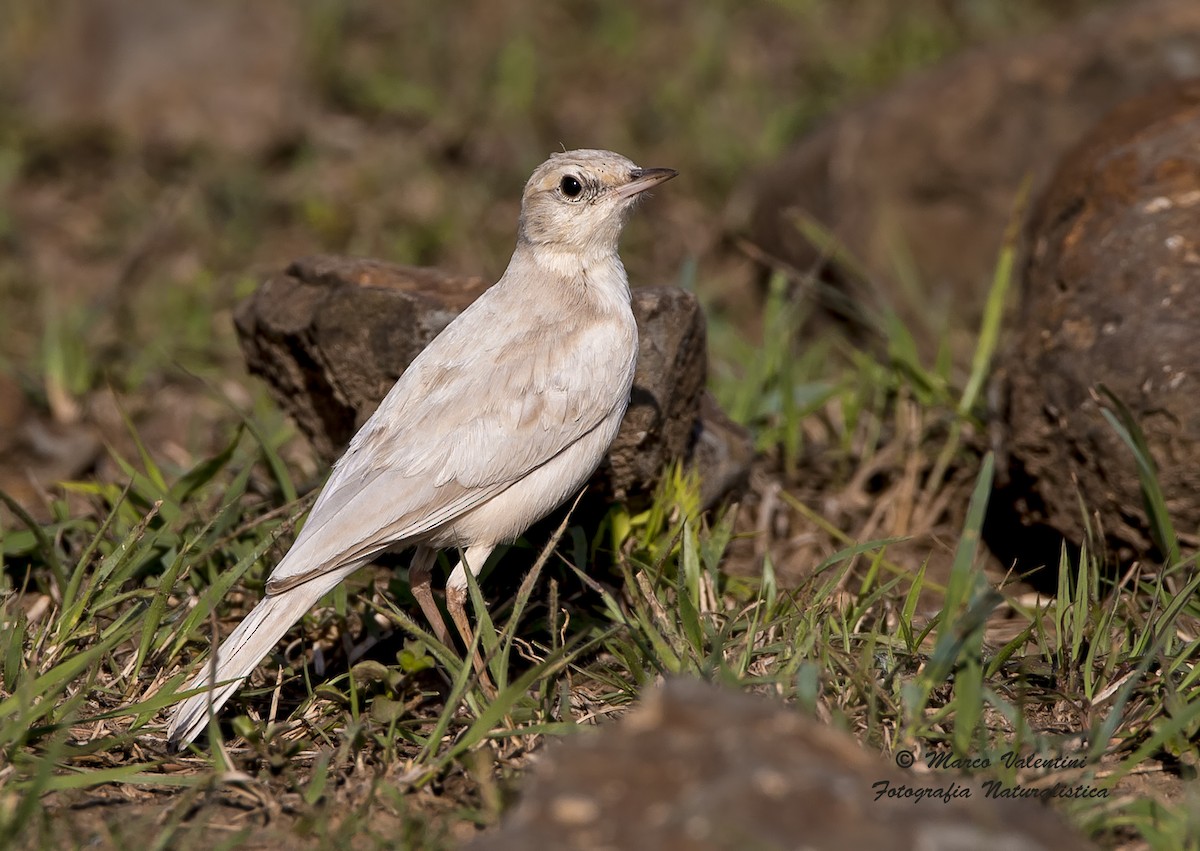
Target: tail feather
(238, 655)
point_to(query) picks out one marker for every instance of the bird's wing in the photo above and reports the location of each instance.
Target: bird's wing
(479, 409)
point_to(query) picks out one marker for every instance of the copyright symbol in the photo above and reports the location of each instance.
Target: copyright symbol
(905, 759)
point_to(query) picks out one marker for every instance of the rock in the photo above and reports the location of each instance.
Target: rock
(37, 452)
(664, 416)
(1108, 299)
(331, 335)
(170, 73)
(925, 176)
(704, 768)
(723, 452)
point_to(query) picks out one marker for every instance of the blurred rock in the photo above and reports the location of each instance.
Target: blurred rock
(703, 768)
(1108, 299)
(925, 176)
(331, 335)
(36, 453)
(14, 410)
(177, 73)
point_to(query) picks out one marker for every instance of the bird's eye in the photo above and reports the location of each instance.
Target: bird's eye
(570, 186)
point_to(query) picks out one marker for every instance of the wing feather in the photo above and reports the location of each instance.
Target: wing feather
(479, 409)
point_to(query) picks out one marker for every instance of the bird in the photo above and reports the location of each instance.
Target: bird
(498, 421)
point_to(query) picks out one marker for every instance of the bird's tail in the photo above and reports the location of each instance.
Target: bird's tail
(241, 652)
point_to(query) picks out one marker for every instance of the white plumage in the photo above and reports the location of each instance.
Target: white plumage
(497, 422)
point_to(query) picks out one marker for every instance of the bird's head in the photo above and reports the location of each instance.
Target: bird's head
(577, 201)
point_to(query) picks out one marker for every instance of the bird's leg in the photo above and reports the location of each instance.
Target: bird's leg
(420, 575)
(473, 559)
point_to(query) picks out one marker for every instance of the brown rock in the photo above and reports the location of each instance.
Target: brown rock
(1108, 299)
(703, 768)
(927, 174)
(170, 72)
(36, 452)
(331, 336)
(723, 452)
(664, 407)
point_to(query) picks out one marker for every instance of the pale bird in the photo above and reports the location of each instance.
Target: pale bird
(497, 422)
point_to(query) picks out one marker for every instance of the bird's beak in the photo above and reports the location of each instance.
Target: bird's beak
(641, 179)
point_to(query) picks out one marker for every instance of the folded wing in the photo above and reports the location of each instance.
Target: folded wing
(450, 435)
